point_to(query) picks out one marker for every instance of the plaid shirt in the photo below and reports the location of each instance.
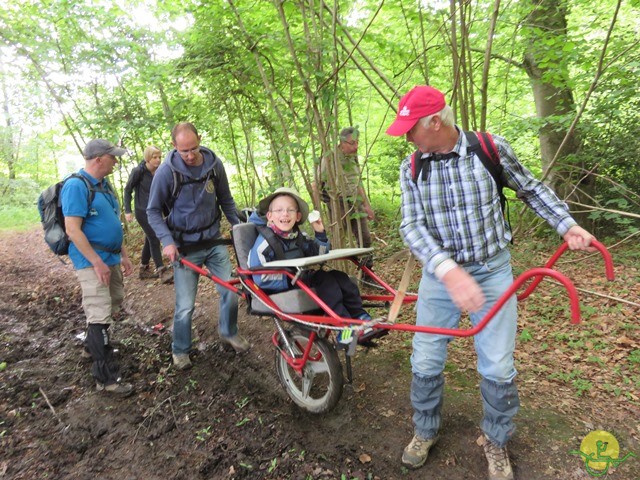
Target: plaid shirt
(456, 214)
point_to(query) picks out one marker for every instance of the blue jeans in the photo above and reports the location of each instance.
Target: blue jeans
(216, 259)
(494, 346)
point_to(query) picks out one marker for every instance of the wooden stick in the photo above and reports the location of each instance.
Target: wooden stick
(46, 399)
(597, 294)
(402, 289)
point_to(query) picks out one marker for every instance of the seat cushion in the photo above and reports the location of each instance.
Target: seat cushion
(244, 236)
(291, 301)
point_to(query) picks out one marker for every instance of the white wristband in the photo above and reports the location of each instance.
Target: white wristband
(444, 268)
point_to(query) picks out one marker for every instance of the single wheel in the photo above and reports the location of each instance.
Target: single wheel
(319, 388)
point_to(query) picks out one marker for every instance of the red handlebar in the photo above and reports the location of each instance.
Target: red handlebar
(535, 272)
(606, 256)
(230, 285)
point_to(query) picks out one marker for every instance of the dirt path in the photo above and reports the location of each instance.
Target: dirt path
(228, 417)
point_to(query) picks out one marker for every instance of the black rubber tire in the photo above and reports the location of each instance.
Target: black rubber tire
(320, 387)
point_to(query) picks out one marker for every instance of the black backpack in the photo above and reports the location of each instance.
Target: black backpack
(178, 182)
(52, 218)
(480, 143)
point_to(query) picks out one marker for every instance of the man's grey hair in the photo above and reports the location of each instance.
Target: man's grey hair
(349, 131)
(446, 116)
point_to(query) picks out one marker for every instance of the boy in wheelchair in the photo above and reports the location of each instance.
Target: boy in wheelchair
(281, 239)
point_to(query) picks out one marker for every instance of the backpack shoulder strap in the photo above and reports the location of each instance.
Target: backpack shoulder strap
(89, 185)
(177, 184)
(416, 165)
(482, 144)
(136, 175)
(179, 181)
(272, 240)
(108, 188)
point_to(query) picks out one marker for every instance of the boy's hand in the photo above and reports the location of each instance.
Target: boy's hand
(317, 226)
(315, 220)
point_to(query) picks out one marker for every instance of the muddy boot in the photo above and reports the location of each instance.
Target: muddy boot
(239, 344)
(118, 388)
(165, 274)
(415, 454)
(181, 361)
(105, 368)
(146, 272)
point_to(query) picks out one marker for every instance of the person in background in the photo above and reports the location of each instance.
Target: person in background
(453, 222)
(351, 197)
(99, 257)
(192, 229)
(140, 182)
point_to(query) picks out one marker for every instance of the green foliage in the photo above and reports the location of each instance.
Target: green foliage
(525, 335)
(270, 100)
(204, 433)
(582, 386)
(613, 221)
(17, 218)
(18, 200)
(20, 193)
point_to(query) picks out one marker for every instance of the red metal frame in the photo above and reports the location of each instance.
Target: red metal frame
(298, 363)
(606, 256)
(230, 285)
(331, 319)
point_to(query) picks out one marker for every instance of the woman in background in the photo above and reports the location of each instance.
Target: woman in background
(140, 183)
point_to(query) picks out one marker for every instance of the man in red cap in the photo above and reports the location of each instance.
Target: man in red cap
(453, 222)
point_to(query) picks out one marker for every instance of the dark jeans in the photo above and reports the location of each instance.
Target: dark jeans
(151, 243)
(336, 289)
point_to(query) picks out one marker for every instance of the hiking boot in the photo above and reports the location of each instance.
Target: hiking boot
(165, 274)
(181, 361)
(239, 344)
(146, 272)
(498, 459)
(118, 388)
(416, 453)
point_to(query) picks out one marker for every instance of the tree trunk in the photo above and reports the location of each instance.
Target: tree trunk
(8, 150)
(546, 67)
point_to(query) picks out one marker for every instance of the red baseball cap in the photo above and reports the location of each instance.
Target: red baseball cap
(420, 102)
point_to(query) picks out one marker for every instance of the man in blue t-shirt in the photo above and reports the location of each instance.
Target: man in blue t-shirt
(98, 256)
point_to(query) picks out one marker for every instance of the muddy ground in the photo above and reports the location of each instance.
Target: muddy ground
(228, 417)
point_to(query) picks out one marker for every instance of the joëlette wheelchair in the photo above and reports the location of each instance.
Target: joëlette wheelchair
(306, 353)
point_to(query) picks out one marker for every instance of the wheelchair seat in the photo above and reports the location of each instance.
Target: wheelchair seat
(292, 301)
